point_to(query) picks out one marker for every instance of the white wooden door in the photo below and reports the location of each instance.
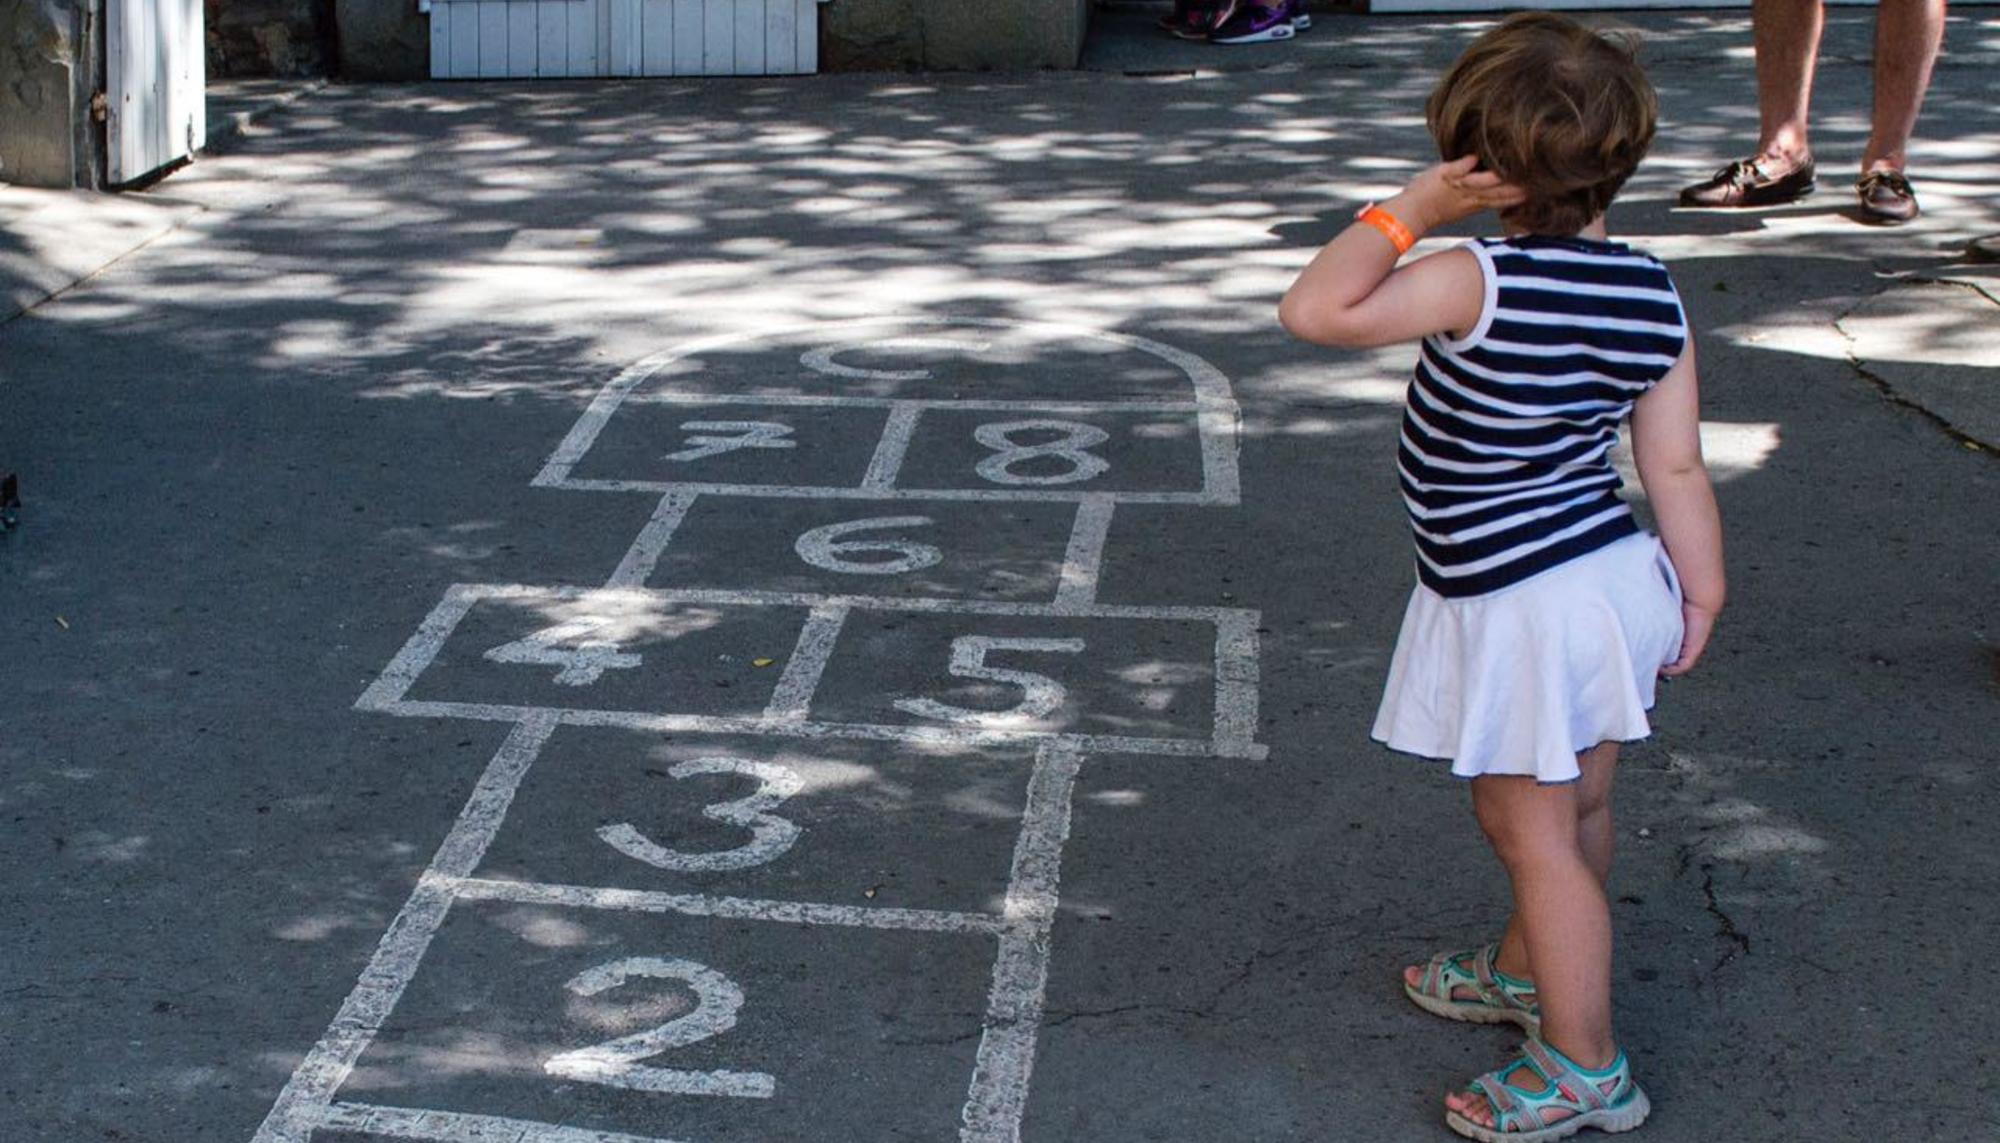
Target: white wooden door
(526, 39)
(156, 111)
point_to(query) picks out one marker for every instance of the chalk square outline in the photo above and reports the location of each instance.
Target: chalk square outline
(997, 1094)
(1215, 410)
(477, 886)
(989, 937)
(1236, 672)
(643, 561)
(715, 404)
(996, 1104)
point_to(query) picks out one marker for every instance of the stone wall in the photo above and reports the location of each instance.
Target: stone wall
(382, 39)
(269, 37)
(952, 35)
(48, 68)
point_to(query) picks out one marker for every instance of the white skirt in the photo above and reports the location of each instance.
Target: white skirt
(1523, 680)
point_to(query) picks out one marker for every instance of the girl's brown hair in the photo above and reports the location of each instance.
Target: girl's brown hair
(1558, 109)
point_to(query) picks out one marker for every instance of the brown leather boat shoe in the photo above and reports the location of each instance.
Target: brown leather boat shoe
(1745, 183)
(1886, 198)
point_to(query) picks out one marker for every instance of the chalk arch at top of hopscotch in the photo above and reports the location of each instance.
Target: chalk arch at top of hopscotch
(1207, 394)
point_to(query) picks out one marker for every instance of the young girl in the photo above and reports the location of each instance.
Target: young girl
(1543, 612)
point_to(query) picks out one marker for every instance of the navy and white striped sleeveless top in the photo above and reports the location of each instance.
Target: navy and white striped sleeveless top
(1505, 450)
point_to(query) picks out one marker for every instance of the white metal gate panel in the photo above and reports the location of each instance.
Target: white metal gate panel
(526, 39)
(154, 64)
(518, 39)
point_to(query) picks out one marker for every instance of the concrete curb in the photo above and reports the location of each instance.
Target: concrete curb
(52, 241)
(234, 106)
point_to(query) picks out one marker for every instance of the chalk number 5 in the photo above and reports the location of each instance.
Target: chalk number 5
(1040, 695)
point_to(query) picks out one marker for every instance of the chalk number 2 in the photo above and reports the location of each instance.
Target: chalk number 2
(615, 1063)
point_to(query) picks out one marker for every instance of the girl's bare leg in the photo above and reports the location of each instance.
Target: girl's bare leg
(1565, 921)
(1594, 836)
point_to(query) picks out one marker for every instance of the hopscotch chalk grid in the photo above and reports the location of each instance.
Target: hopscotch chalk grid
(905, 412)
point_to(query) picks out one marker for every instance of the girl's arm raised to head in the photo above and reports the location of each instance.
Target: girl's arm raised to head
(1666, 448)
(1353, 295)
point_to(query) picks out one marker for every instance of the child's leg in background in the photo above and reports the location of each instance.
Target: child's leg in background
(1594, 835)
(1560, 905)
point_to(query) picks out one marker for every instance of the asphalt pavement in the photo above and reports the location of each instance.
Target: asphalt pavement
(828, 609)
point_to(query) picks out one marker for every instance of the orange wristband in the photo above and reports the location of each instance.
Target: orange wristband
(1391, 227)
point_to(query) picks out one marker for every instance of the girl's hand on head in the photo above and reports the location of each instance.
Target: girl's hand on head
(1450, 191)
(1696, 622)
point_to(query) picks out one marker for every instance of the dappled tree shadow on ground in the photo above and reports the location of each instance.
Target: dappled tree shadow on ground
(270, 443)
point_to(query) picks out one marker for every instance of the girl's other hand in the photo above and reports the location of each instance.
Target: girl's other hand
(1450, 191)
(1696, 623)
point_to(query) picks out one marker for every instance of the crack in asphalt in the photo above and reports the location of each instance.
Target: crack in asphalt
(1051, 1019)
(1972, 284)
(1212, 1010)
(1057, 1020)
(1739, 942)
(1888, 391)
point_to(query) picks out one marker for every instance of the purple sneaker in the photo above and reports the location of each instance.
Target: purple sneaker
(1247, 22)
(1301, 19)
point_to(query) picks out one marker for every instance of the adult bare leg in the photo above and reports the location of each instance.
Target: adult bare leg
(1786, 34)
(1908, 34)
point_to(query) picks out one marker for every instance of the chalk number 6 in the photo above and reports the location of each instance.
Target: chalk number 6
(829, 548)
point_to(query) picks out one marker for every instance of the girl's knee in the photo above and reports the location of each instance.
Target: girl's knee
(1513, 840)
(1525, 830)
(1591, 805)
(1527, 853)
(1593, 790)
(1492, 819)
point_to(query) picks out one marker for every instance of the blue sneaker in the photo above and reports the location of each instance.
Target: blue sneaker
(1247, 22)
(1301, 19)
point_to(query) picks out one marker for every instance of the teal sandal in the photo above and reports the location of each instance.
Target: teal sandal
(1497, 997)
(1606, 1100)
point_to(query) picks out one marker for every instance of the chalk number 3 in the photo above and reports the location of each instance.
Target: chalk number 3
(770, 835)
